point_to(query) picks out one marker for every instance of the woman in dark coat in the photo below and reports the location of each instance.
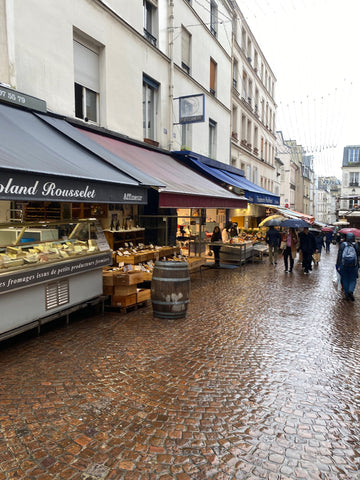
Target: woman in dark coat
(216, 237)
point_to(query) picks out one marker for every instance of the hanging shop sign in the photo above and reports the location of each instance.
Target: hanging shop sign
(192, 108)
(37, 187)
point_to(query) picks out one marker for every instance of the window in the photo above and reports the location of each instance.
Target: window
(150, 11)
(186, 136)
(185, 49)
(250, 92)
(213, 17)
(235, 73)
(243, 39)
(150, 94)
(212, 76)
(255, 175)
(249, 50)
(212, 139)
(353, 155)
(354, 179)
(87, 81)
(234, 122)
(244, 85)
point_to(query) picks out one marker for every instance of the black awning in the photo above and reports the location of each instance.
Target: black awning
(37, 162)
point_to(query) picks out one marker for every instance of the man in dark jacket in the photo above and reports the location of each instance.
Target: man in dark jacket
(273, 239)
(307, 247)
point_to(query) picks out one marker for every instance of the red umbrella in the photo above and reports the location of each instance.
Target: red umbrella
(355, 231)
(327, 229)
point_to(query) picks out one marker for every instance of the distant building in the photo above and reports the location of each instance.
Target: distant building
(350, 188)
(327, 193)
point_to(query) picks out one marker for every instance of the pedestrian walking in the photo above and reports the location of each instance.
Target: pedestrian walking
(290, 238)
(328, 240)
(347, 264)
(307, 246)
(216, 237)
(273, 239)
(319, 240)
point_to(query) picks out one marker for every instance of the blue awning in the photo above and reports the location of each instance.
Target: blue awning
(227, 175)
(253, 192)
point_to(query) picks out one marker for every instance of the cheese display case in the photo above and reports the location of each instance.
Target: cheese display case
(48, 267)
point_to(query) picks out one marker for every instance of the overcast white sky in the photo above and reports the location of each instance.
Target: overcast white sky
(313, 48)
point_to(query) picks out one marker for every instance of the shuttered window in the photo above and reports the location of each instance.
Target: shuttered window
(86, 67)
(212, 76)
(185, 49)
(87, 82)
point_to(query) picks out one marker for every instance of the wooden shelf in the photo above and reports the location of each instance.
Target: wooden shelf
(118, 238)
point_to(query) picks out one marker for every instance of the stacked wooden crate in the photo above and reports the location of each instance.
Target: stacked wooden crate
(143, 256)
(122, 287)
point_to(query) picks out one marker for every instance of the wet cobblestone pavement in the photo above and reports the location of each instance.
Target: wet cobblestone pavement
(260, 381)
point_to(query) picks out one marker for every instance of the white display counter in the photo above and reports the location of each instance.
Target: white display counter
(41, 279)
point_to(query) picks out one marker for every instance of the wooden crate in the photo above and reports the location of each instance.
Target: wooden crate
(149, 255)
(126, 259)
(114, 278)
(131, 278)
(108, 290)
(195, 263)
(143, 294)
(123, 290)
(147, 276)
(165, 251)
(108, 279)
(123, 301)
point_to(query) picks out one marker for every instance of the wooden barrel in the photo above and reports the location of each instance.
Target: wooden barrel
(170, 289)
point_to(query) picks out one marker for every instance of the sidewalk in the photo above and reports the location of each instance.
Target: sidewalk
(260, 381)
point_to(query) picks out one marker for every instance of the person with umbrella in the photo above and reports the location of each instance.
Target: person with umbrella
(273, 239)
(307, 247)
(347, 264)
(319, 240)
(329, 233)
(290, 238)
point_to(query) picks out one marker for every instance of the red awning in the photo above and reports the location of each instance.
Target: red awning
(294, 214)
(184, 188)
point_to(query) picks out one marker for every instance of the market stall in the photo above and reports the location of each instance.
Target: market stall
(46, 268)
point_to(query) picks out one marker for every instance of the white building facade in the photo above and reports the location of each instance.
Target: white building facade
(253, 139)
(122, 65)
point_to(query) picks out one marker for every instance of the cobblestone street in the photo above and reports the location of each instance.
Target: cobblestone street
(260, 381)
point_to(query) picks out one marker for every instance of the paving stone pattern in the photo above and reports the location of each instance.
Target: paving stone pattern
(260, 381)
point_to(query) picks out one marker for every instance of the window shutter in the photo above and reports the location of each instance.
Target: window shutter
(212, 74)
(86, 66)
(185, 47)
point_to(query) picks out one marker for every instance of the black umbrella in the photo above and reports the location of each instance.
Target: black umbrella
(295, 223)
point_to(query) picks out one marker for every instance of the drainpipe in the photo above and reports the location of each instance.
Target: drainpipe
(10, 40)
(171, 71)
